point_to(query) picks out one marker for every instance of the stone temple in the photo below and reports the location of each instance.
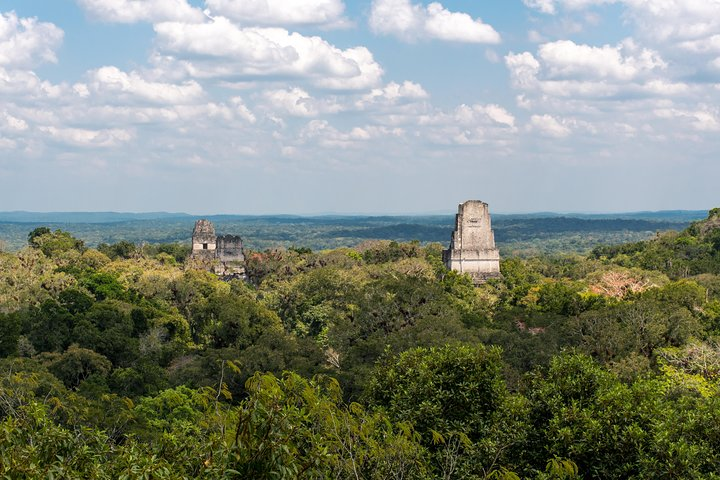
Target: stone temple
(472, 246)
(222, 255)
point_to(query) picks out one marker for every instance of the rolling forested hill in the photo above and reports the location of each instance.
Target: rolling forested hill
(514, 233)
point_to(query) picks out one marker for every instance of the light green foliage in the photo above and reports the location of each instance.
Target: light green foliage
(54, 243)
(290, 428)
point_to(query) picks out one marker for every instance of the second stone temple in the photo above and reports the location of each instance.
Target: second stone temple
(472, 246)
(220, 254)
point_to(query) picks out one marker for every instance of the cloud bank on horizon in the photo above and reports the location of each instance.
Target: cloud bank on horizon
(306, 106)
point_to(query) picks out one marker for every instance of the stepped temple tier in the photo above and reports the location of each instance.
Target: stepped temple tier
(472, 246)
(222, 255)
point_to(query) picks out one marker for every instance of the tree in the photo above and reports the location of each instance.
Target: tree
(294, 428)
(38, 232)
(54, 243)
(9, 334)
(455, 397)
(78, 364)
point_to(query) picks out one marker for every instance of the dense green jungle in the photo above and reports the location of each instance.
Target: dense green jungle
(595, 358)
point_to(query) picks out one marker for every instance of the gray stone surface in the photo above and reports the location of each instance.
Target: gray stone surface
(472, 246)
(222, 255)
(204, 241)
(230, 256)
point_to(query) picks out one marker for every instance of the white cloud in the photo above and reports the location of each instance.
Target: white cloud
(25, 42)
(132, 11)
(676, 20)
(80, 137)
(549, 125)
(393, 93)
(476, 124)
(691, 25)
(625, 61)
(499, 115)
(7, 144)
(564, 69)
(709, 44)
(545, 6)
(175, 116)
(389, 99)
(280, 12)
(325, 135)
(220, 49)
(293, 101)
(11, 123)
(112, 82)
(242, 110)
(524, 69)
(552, 6)
(704, 119)
(28, 85)
(410, 22)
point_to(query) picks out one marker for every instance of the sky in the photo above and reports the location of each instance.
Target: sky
(368, 106)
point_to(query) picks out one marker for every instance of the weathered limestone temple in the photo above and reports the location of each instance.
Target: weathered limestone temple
(222, 255)
(472, 246)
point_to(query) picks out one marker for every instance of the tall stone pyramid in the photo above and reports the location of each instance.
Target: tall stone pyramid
(472, 246)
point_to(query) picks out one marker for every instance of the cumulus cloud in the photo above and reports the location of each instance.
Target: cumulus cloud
(524, 69)
(27, 84)
(171, 116)
(703, 119)
(549, 125)
(690, 25)
(476, 124)
(327, 136)
(242, 110)
(410, 22)
(11, 123)
(391, 98)
(221, 49)
(80, 137)
(544, 6)
(575, 89)
(625, 61)
(26, 42)
(114, 83)
(132, 11)
(392, 94)
(280, 12)
(564, 68)
(298, 102)
(553, 6)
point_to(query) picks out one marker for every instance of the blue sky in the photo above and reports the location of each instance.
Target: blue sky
(373, 106)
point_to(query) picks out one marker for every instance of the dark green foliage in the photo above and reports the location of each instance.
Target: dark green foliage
(383, 252)
(238, 321)
(75, 301)
(10, 329)
(48, 327)
(77, 365)
(54, 243)
(447, 389)
(123, 249)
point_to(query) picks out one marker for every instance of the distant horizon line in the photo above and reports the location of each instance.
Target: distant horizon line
(344, 214)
